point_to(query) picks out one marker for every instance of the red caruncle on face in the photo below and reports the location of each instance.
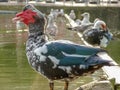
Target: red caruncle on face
(26, 16)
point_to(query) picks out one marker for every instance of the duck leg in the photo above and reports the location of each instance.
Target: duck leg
(66, 85)
(51, 85)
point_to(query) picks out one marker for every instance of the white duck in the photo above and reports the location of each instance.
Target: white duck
(51, 28)
(85, 23)
(78, 21)
(61, 12)
(86, 19)
(72, 15)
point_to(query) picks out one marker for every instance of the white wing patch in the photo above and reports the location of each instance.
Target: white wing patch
(82, 67)
(39, 52)
(68, 69)
(75, 55)
(54, 60)
(61, 41)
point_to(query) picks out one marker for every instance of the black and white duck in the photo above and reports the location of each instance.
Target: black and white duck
(60, 59)
(98, 34)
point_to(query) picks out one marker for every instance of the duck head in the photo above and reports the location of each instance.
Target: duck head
(98, 35)
(32, 17)
(72, 11)
(86, 14)
(107, 35)
(100, 25)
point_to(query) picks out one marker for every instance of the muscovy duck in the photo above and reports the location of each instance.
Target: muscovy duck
(60, 59)
(98, 35)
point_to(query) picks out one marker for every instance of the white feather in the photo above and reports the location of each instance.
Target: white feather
(68, 69)
(54, 60)
(39, 52)
(104, 42)
(75, 55)
(82, 67)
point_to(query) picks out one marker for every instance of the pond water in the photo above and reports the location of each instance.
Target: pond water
(15, 72)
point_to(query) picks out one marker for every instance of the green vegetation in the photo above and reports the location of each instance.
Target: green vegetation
(111, 15)
(114, 50)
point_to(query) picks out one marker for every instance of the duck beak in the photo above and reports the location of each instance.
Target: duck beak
(15, 19)
(18, 18)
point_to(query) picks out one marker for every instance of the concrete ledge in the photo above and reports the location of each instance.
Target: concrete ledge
(97, 85)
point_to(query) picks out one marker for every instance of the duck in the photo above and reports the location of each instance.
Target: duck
(99, 34)
(72, 15)
(51, 28)
(61, 12)
(78, 21)
(86, 18)
(84, 23)
(59, 59)
(55, 13)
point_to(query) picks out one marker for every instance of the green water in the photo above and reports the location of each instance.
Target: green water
(15, 72)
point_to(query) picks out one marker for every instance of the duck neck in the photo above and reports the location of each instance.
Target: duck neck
(51, 20)
(86, 19)
(96, 27)
(35, 29)
(36, 37)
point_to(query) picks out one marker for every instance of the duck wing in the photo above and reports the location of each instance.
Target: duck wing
(67, 53)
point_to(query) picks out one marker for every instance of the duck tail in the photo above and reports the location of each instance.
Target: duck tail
(96, 60)
(108, 63)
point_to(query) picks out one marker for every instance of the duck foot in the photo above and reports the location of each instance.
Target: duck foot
(66, 85)
(51, 85)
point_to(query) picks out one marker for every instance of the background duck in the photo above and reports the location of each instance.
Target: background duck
(72, 15)
(84, 23)
(51, 28)
(86, 19)
(60, 59)
(98, 35)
